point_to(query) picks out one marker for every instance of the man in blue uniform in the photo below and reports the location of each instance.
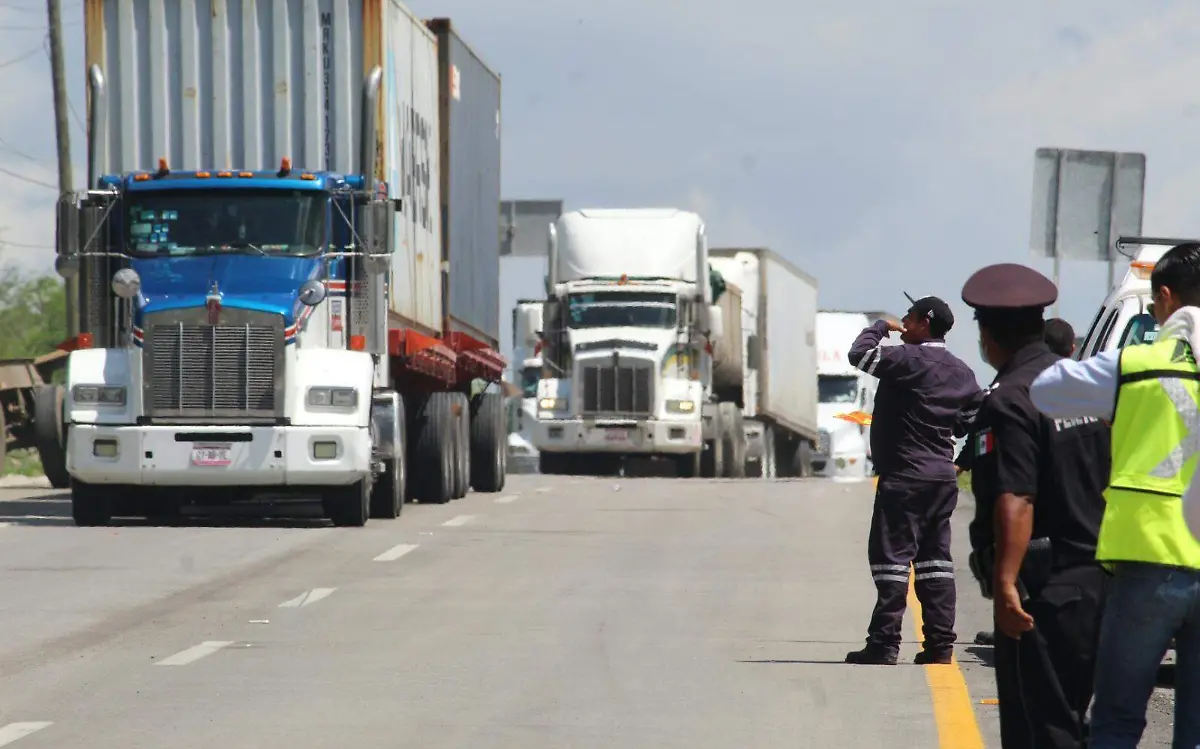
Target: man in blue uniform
(1038, 485)
(923, 390)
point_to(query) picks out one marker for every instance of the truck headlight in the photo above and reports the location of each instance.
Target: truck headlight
(332, 397)
(681, 407)
(553, 404)
(99, 395)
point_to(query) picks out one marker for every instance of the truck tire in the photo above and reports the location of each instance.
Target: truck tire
(49, 436)
(461, 409)
(489, 454)
(804, 458)
(431, 459)
(389, 491)
(712, 463)
(348, 506)
(733, 441)
(90, 503)
(688, 466)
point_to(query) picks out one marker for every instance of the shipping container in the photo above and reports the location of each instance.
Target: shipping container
(783, 339)
(241, 84)
(469, 117)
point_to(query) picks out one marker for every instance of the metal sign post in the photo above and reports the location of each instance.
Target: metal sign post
(1083, 201)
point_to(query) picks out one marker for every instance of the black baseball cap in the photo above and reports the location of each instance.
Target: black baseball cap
(933, 309)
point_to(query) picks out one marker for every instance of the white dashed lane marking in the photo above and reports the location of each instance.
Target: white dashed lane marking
(14, 731)
(460, 520)
(306, 598)
(506, 499)
(194, 653)
(395, 552)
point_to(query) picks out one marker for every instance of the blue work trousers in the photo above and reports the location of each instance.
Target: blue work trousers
(1148, 605)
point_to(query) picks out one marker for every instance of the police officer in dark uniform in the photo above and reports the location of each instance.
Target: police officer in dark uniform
(1038, 486)
(922, 390)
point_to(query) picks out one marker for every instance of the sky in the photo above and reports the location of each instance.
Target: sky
(882, 147)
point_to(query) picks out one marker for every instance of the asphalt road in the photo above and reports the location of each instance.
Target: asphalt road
(564, 612)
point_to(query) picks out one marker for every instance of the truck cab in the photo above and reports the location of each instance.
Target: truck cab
(626, 355)
(844, 450)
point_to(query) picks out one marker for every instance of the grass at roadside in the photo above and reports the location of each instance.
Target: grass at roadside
(22, 463)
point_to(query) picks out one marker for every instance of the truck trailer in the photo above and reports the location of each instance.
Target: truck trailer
(778, 393)
(630, 359)
(288, 262)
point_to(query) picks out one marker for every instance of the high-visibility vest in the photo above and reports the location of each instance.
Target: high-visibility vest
(1155, 446)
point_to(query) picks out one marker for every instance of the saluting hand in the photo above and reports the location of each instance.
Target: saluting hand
(1011, 617)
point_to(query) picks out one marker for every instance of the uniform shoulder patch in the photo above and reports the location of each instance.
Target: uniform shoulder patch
(985, 442)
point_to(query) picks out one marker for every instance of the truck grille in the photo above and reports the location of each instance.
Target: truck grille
(223, 373)
(617, 390)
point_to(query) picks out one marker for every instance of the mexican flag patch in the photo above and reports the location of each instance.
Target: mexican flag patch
(985, 442)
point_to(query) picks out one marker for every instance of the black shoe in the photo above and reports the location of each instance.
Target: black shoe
(985, 638)
(874, 655)
(936, 655)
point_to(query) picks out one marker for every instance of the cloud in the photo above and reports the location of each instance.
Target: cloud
(878, 145)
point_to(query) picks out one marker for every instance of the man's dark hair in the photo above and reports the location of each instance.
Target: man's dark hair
(1012, 329)
(1060, 336)
(1179, 271)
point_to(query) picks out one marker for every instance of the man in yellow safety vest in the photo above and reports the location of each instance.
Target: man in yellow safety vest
(1151, 394)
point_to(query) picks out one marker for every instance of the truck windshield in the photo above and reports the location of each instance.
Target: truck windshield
(198, 222)
(529, 381)
(633, 309)
(837, 388)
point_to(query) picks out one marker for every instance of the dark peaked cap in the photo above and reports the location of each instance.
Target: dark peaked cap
(1009, 286)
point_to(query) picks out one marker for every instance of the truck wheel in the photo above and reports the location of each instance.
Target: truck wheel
(90, 504)
(48, 435)
(387, 495)
(688, 466)
(431, 461)
(488, 450)
(711, 461)
(804, 457)
(348, 506)
(462, 446)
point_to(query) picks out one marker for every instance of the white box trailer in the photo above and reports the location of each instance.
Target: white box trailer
(779, 314)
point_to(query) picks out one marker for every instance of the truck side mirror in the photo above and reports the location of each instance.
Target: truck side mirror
(753, 352)
(530, 322)
(376, 232)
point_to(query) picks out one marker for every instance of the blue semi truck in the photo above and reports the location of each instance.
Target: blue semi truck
(285, 332)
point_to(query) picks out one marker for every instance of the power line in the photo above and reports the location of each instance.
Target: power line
(30, 180)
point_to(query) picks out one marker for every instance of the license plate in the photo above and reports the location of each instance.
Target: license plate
(211, 455)
(616, 435)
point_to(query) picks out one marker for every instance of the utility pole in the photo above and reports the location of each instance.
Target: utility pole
(62, 133)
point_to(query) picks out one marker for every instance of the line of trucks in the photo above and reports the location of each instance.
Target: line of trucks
(652, 345)
(285, 276)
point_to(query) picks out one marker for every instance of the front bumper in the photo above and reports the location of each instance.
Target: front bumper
(618, 437)
(264, 456)
(842, 465)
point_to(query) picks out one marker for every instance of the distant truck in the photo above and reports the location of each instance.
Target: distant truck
(844, 449)
(637, 358)
(777, 394)
(288, 263)
(527, 370)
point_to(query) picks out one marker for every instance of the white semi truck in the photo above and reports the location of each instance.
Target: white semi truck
(629, 344)
(778, 391)
(526, 371)
(844, 450)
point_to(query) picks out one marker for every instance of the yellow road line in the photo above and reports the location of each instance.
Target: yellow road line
(953, 714)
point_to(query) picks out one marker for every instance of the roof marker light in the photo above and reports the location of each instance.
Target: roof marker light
(163, 169)
(1141, 269)
(245, 174)
(285, 166)
(224, 174)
